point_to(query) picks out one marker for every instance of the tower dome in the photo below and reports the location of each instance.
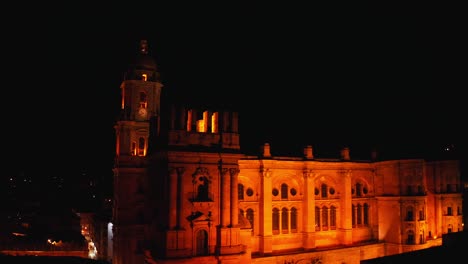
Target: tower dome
(142, 65)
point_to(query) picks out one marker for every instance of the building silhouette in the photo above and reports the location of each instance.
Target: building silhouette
(185, 193)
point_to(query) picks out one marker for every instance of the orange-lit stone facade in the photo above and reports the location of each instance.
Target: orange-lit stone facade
(184, 193)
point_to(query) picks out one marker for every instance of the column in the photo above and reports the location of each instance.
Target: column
(172, 198)
(225, 197)
(345, 228)
(234, 172)
(265, 216)
(180, 198)
(308, 216)
(321, 219)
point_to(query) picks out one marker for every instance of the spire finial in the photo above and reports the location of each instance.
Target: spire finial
(144, 46)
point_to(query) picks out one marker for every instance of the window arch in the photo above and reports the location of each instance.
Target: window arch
(366, 214)
(284, 220)
(293, 220)
(240, 191)
(141, 146)
(317, 218)
(250, 217)
(358, 189)
(201, 181)
(409, 213)
(333, 217)
(324, 218)
(410, 237)
(324, 188)
(359, 214)
(275, 221)
(284, 191)
(203, 189)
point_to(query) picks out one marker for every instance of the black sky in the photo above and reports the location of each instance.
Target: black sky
(323, 75)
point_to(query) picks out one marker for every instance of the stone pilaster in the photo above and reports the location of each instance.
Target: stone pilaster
(308, 215)
(265, 213)
(234, 172)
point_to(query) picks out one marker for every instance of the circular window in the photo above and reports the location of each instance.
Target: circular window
(249, 192)
(293, 191)
(317, 191)
(332, 190)
(275, 192)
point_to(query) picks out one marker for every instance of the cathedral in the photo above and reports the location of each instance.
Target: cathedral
(185, 193)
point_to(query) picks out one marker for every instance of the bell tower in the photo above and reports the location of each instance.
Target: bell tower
(139, 119)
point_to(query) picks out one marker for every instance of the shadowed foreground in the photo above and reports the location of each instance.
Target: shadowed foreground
(46, 259)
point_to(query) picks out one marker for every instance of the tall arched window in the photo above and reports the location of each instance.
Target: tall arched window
(293, 220)
(141, 146)
(410, 238)
(358, 189)
(240, 191)
(366, 214)
(324, 191)
(250, 217)
(202, 189)
(409, 214)
(284, 221)
(332, 217)
(359, 214)
(324, 218)
(275, 221)
(284, 191)
(353, 213)
(317, 218)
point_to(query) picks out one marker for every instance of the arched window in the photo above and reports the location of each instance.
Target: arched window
(353, 213)
(333, 217)
(141, 146)
(284, 191)
(250, 217)
(240, 191)
(409, 213)
(366, 214)
(317, 218)
(293, 220)
(275, 221)
(203, 187)
(359, 214)
(410, 238)
(358, 189)
(134, 148)
(324, 190)
(284, 221)
(202, 243)
(324, 218)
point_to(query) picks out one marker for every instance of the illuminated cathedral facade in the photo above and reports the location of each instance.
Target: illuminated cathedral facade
(184, 192)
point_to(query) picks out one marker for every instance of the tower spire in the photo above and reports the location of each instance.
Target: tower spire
(144, 46)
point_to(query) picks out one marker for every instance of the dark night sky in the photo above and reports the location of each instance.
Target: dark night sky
(322, 75)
